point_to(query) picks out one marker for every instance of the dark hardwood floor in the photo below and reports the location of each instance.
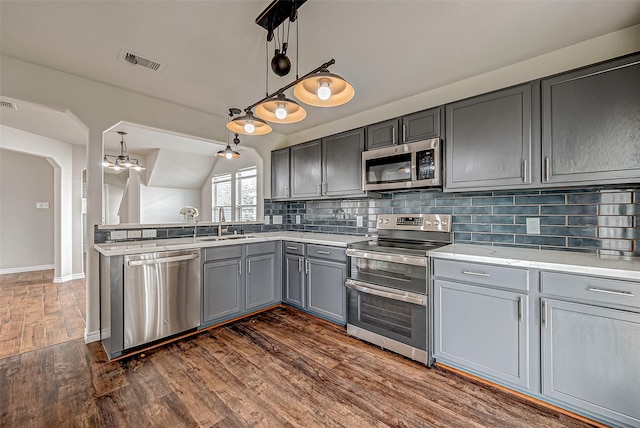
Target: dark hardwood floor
(276, 369)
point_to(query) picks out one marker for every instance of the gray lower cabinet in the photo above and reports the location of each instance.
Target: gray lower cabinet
(326, 293)
(280, 174)
(222, 294)
(238, 279)
(294, 280)
(591, 124)
(489, 141)
(483, 330)
(591, 359)
(314, 277)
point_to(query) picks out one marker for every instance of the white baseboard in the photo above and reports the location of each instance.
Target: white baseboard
(93, 336)
(26, 269)
(58, 279)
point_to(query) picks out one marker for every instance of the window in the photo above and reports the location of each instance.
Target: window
(238, 205)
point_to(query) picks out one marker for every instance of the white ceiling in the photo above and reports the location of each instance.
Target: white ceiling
(215, 53)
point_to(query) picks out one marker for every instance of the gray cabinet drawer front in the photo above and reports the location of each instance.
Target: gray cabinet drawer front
(479, 273)
(222, 252)
(326, 252)
(261, 248)
(596, 289)
(296, 248)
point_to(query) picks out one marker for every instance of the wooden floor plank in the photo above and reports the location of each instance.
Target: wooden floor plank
(281, 368)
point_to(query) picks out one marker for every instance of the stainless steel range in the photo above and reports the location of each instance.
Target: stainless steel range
(388, 282)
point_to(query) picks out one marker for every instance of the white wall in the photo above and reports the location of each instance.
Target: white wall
(22, 80)
(79, 154)
(162, 205)
(26, 233)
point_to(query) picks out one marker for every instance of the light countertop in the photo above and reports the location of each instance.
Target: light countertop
(136, 247)
(562, 261)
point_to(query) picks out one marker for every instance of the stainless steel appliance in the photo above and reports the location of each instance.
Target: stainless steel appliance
(403, 166)
(161, 295)
(388, 282)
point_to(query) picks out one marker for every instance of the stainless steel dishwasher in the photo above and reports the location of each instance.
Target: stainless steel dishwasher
(161, 295)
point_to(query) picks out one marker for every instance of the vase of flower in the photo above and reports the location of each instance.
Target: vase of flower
(189, 214)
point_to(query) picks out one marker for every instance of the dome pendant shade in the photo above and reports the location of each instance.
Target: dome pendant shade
(273, 110)
(248, 125)
(341, 91)
(228, 153)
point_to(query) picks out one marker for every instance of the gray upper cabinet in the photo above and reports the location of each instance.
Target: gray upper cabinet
(306, 170)
(421, 125)
(417, 126)
(591, 359)
(383, 134)
(280, 174)
(591, 124)
(489, 141)
(341, 163)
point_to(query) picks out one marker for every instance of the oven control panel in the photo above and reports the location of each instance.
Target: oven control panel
(430, 222)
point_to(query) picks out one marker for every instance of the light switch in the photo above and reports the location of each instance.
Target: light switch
(277, 219)
(42, 205)
(266, 219)
(298, 219)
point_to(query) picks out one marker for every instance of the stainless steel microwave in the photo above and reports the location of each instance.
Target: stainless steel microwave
(403, 166)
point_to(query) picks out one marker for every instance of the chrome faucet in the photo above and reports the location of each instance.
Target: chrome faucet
(195, 230)
(220, 221)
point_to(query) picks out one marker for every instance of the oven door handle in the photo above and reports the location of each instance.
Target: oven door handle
(406, 296)
(388, 257)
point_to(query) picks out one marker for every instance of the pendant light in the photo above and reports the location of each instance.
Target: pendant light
(248, 125)
(122, 161)
(281, 110)
(324, 89)
(228, 152)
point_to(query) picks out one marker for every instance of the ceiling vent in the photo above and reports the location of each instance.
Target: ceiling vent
(6, 104)
(135, 59)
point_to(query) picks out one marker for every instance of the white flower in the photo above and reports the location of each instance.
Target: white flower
(189, 210)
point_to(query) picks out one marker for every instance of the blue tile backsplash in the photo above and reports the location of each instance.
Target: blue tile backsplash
(592, 219)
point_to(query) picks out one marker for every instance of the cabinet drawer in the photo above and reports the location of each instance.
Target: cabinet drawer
(601, 290)
(478, 273)
(261, 248)
(326, 252)
(294, 248)
(222, 252)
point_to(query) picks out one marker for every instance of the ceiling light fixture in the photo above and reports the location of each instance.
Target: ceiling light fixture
(122, 161)
(228, 152)
(318, 88)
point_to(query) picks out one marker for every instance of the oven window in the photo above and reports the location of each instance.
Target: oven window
(395, 275)
(391, 169)
(386, 314)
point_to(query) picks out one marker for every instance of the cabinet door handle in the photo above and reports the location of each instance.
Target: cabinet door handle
(525, 171)
(324, 188)
(617, 293)
(520, 309)
(306, 267)
(320, 189)
(292, 248)
(324, 252)
(544, 314)
(468, 272)
(547, 169)
(286, 192)
(300, 261)
(404, 132)
(239, 268)
(248, 267)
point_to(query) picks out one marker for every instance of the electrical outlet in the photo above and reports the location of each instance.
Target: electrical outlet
(132, 234)
(149, 233)
(277, 219)
(533, 226)
(118, 234)
(298, 220)
(266, 219)
(42, 205)
(359, 221)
